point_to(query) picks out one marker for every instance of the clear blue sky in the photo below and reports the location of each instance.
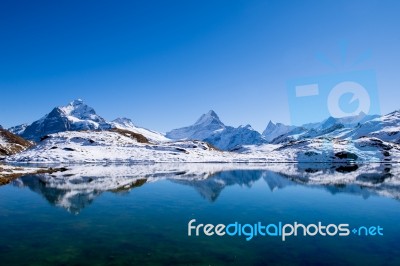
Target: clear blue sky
(164, 63)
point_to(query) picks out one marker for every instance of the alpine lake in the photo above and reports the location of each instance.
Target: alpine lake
(140, 216)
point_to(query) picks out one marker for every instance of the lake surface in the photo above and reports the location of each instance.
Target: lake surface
(138, 215)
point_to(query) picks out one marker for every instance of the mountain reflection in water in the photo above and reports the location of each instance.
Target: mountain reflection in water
(81, 185)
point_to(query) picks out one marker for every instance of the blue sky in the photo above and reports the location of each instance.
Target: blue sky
(164, 63)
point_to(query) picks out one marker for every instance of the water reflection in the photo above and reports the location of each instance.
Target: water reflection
(78, 187)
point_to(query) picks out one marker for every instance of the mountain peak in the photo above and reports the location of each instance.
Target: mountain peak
(209, 118)
(72, 117)
(76, 102)
(123, 121)
(273, 131)
(270, 125)
(204, 127)
(362, 114)
(212, 114)
(80, 110)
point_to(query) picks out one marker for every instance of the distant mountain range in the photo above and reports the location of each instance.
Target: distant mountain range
(385, 127)
(277, 142)
(77, 116)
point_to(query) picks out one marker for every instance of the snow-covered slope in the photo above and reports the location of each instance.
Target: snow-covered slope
(18, 130)
(112, 146)
(386, 128)
(321, 149)
(210, 128)
(74, 116)
(127, 124)
(119, 147)
(231, 138)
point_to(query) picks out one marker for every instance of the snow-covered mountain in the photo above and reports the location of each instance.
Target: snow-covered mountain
(118, 146)
(207, 125)
(348, 122)
(272, 131)
(78, 116)
(11, 144)
(18, 130)
(127, 124)
(330, 128)
(322, 149)
(231, 138)
(386, 128)
(72, 117)
(76, 134)
(121, 147)
(210, 128)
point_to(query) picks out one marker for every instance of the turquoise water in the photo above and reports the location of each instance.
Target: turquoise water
(147, 224)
